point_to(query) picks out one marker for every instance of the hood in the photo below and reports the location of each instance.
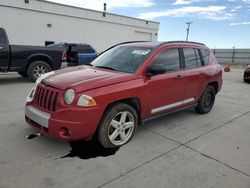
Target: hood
(83, 78)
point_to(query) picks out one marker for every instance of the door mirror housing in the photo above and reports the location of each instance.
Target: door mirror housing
(156, 69)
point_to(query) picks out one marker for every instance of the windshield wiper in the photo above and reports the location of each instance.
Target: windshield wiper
(105, 67)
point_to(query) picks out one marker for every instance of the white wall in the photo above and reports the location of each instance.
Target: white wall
(27, 24)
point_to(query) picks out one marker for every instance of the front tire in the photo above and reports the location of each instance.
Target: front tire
(117, 126)
(36, 69)
(206, 102)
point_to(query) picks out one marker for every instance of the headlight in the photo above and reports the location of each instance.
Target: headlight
(69, 96)
(86, 101)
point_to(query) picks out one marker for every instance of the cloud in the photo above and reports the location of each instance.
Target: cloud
(98, 4)
(188, 2)
(237, 8)
(239, 23)
(210, 13)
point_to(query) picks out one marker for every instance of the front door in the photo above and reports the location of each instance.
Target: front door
(165, 91)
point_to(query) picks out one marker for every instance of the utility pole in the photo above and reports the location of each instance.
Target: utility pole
(188, 24)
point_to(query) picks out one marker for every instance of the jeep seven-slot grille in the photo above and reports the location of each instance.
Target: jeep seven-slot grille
(46, 98)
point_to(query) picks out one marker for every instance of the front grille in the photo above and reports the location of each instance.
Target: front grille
(46, 98)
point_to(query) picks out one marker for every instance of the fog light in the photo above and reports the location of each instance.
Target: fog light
(64, 132)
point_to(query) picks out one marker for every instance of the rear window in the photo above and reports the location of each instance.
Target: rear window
(85, 49)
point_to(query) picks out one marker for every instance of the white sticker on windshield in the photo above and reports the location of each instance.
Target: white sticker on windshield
(141, 52)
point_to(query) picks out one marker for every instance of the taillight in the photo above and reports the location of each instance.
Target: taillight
(64, 56)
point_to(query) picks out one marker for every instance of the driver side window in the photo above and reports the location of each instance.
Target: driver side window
(169, 59)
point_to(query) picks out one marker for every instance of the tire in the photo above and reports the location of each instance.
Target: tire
(36, 69)
(23, 74)
(124, 120)
(206, 102)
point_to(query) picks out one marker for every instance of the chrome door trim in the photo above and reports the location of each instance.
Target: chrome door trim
(169, 106)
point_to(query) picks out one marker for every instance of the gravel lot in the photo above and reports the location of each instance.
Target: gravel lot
(179, 150)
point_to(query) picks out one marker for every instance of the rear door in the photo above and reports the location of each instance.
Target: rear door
(193, 73)
(165, 91)
(4, 50)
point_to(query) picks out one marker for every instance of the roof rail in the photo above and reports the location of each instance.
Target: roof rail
(181, 41)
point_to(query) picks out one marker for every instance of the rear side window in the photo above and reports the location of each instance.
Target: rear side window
(198, 58)
(169, 59)
(205, 56)
(190, 58)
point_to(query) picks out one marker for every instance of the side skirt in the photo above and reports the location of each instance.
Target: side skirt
(166, 113)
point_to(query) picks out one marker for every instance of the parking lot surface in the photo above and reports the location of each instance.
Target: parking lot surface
(182, 149)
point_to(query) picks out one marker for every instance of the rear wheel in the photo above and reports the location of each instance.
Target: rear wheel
(118, 125)
(37, 68)
(206, 102)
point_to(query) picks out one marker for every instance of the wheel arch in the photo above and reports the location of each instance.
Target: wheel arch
(134, 102)
(215, 85)
(39, 57)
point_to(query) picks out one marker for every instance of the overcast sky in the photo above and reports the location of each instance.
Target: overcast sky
(217, 23)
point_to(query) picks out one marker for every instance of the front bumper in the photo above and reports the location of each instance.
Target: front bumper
(68, 124)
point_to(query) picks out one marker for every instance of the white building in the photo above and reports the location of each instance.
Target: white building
(38, 22)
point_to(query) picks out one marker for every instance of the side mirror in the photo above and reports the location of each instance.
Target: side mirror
(156, 69)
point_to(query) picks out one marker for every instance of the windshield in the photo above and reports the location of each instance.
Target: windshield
(122, 58)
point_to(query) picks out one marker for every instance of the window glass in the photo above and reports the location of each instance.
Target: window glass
(198, 57)
(122, 58)
(89, 49)
(190, 58)
(169, 59)
(2, 39)
(205, 56)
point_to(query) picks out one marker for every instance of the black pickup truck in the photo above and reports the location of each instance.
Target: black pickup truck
(29, 61)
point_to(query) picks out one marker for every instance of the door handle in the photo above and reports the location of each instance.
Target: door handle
(179, 77)
(1, 48)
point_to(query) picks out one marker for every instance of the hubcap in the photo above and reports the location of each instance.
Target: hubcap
(39, 70)
(121, 128)
(208, 100)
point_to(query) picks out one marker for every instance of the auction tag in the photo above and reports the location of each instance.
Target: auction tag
(140, 52)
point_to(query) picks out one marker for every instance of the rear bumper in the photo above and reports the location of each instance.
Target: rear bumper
(68, 124)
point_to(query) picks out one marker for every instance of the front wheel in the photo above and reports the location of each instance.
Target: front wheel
(206, 102)
(117, 126)
(36, 69)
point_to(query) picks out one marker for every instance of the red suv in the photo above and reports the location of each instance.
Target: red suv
(123, 87)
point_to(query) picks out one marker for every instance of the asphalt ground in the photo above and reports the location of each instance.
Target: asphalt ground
(182, 149)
